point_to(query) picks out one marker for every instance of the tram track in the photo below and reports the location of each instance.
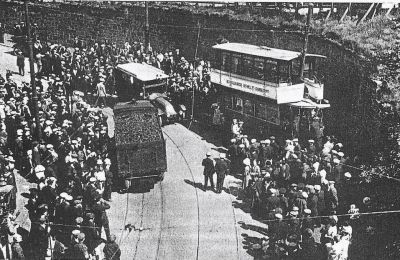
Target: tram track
(235, 222)
(196, 192)
(141, 240)
(140, 227)
(161, 222)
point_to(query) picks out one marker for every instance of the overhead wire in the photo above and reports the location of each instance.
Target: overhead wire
(383, 212)
(362, 170)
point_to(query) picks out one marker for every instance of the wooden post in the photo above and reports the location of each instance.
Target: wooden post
(376, 9)
(366, 14)
(303, 60)
(329, 13)
(389, 10)
(147, 28)
(345, 13)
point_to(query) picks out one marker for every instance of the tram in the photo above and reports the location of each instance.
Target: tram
(262, 87)
(138, 81)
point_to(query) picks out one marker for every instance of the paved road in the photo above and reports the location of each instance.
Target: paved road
(179, 219)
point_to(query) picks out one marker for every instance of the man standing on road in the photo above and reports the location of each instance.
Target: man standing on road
(222, 168)
(21, 63)
(209, 170)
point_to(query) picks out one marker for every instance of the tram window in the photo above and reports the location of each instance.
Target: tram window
(270, 70)
(228, 102)
(248, 107)
(236, 66)
(225, 62)
(248, 64)
(260, 110)
(237, 104)
(296, 69)
(268, 112)
(284, 70)
(216, 61)
(259, 68)
(273, 115)
(307, 70)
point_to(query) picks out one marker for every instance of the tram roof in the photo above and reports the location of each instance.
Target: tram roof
(261, 51)
(142, 72)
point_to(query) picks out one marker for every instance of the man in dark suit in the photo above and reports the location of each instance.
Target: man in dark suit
(39, 238)
(209, 171)
(233, 156)
(100, 216)
(111, 249)
(222, 168)
(21, 63)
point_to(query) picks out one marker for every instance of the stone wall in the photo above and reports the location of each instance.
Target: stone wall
(346, 74)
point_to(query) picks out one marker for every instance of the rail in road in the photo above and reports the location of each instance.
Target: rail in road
(197, 195)
(192, 150)
(177, 219)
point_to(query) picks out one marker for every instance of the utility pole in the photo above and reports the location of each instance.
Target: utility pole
(147, 29)
(32, 71)
(303, 61)
(195, 57)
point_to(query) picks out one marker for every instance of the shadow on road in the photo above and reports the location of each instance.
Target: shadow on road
(10, 53)
(261, 230)
(26, 195)
(251, 245)
(208, 133)
(245, 207)
(219, 149)
(197, 185)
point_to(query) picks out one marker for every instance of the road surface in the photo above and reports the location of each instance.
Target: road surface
(177, 219)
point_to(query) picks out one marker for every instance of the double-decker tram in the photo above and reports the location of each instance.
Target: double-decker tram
(263, 87)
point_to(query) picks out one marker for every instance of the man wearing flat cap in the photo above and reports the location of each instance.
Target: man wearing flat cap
(100, 216)
(90, 193)
(79, 250)
(311, 149)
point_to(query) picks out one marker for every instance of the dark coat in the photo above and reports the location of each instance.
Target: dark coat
(20, 60)
(208, 164)
(17, 252)
(112, 251)
(222, 167)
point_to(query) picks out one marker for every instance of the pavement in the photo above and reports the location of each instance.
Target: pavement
(9, 62)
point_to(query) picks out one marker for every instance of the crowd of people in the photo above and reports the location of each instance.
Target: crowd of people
(72, 162)
(297, 189)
